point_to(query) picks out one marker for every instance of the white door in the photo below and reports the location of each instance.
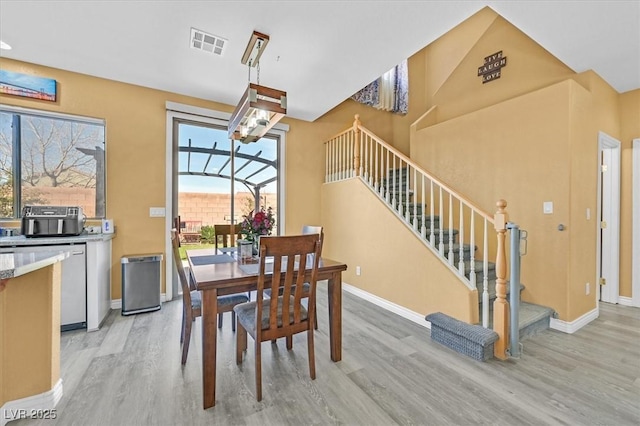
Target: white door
(635, 260)
(609, 216)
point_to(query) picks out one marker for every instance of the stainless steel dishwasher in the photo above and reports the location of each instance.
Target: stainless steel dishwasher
(73, 303)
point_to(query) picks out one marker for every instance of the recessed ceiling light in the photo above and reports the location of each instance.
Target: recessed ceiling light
(4, 45)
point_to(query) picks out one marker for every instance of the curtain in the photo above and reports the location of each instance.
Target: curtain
(390, 92)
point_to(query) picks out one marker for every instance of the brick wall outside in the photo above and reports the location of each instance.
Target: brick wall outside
(199, 209)
(60, 196)
(195, 208)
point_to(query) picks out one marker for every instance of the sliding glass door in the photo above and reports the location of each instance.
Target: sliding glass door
(218, 181)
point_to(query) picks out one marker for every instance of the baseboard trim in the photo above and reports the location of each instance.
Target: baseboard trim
(627, 301)
(575, 325)
(31, 405)
(389, 306)
(117, 303)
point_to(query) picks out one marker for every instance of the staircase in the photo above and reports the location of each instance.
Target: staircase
(532, 319)
(459, 233)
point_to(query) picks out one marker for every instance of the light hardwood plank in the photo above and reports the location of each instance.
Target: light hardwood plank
(129, 373)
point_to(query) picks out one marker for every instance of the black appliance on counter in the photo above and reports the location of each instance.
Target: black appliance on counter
(51, 221)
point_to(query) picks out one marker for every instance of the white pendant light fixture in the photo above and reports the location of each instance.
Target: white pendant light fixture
(261, 107)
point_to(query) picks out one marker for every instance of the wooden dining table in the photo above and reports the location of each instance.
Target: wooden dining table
(217, 275)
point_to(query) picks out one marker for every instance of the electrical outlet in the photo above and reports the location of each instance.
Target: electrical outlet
(358, 271)
(587, 289)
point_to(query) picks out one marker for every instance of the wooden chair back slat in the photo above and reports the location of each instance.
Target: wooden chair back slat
(226, 235)
(295, 251)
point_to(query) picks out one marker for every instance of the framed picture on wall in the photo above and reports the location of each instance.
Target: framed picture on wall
(28, 86)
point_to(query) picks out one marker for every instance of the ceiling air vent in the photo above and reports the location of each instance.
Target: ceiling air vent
(207, 42)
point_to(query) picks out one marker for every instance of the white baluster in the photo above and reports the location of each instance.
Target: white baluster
(399, 187)
(393, 186)
(423, 230)
(472, 242)
(377, 177)
(450, 229)
(432, 235)
(387, 188)
(441, 230)
(461, 240)
(485, 278)
(366, 160)
(339, 158)
(350, 154)
(415, 203)
(333, 160)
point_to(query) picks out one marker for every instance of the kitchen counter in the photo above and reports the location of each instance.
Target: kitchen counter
(30, 332)
(16, 264)
(94, 270)
(21, 240)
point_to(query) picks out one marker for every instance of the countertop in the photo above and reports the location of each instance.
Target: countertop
(21, 240)
(16, 264)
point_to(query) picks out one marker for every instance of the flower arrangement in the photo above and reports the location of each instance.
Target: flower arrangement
(258, 223)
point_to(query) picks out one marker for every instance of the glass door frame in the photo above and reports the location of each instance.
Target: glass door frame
(180, 112)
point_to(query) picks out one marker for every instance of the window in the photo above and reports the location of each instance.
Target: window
(51, 159)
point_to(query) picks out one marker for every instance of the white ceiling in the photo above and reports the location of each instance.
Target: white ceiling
(320, 52)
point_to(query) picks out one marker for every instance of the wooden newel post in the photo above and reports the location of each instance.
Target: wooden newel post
(500, 305)
(356, 146)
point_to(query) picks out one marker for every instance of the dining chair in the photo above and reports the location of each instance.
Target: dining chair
(285, 315)
(225, 236)
(306, 230)
(192, 301)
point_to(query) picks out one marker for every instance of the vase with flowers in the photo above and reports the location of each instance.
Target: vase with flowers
(256, 224)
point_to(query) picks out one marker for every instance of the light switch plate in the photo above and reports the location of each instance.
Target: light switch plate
(547, 207)
(156, 211)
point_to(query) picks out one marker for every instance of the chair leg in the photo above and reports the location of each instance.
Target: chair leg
(233, 321)
(241, 343)
(187, 340)
(312, 355)
(182, 327)
(289, 342)
(220, 320)
(258, 371)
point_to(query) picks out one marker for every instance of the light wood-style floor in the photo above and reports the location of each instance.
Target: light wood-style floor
(129, 373)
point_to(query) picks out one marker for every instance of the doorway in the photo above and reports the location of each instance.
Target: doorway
(219, 181)
(608, 245)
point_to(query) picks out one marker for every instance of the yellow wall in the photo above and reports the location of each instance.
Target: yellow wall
(395, 264)
(629, 105)
(30, 332)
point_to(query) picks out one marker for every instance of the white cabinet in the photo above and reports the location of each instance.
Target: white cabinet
(73, 292)
(86, 275)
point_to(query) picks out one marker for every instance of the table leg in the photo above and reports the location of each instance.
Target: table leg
(209, 340)
(335, 315)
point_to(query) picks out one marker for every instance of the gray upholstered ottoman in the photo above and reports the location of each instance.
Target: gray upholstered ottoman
(471, 340)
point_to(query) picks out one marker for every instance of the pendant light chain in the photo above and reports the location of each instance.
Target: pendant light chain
(258, 72)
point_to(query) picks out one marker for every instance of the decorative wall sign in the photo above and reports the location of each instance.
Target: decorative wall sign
(29, 86)
(491, 68)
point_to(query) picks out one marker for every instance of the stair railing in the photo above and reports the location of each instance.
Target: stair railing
(439, 215)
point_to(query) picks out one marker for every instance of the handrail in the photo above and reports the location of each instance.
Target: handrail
(418, 168)
(452, 225)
